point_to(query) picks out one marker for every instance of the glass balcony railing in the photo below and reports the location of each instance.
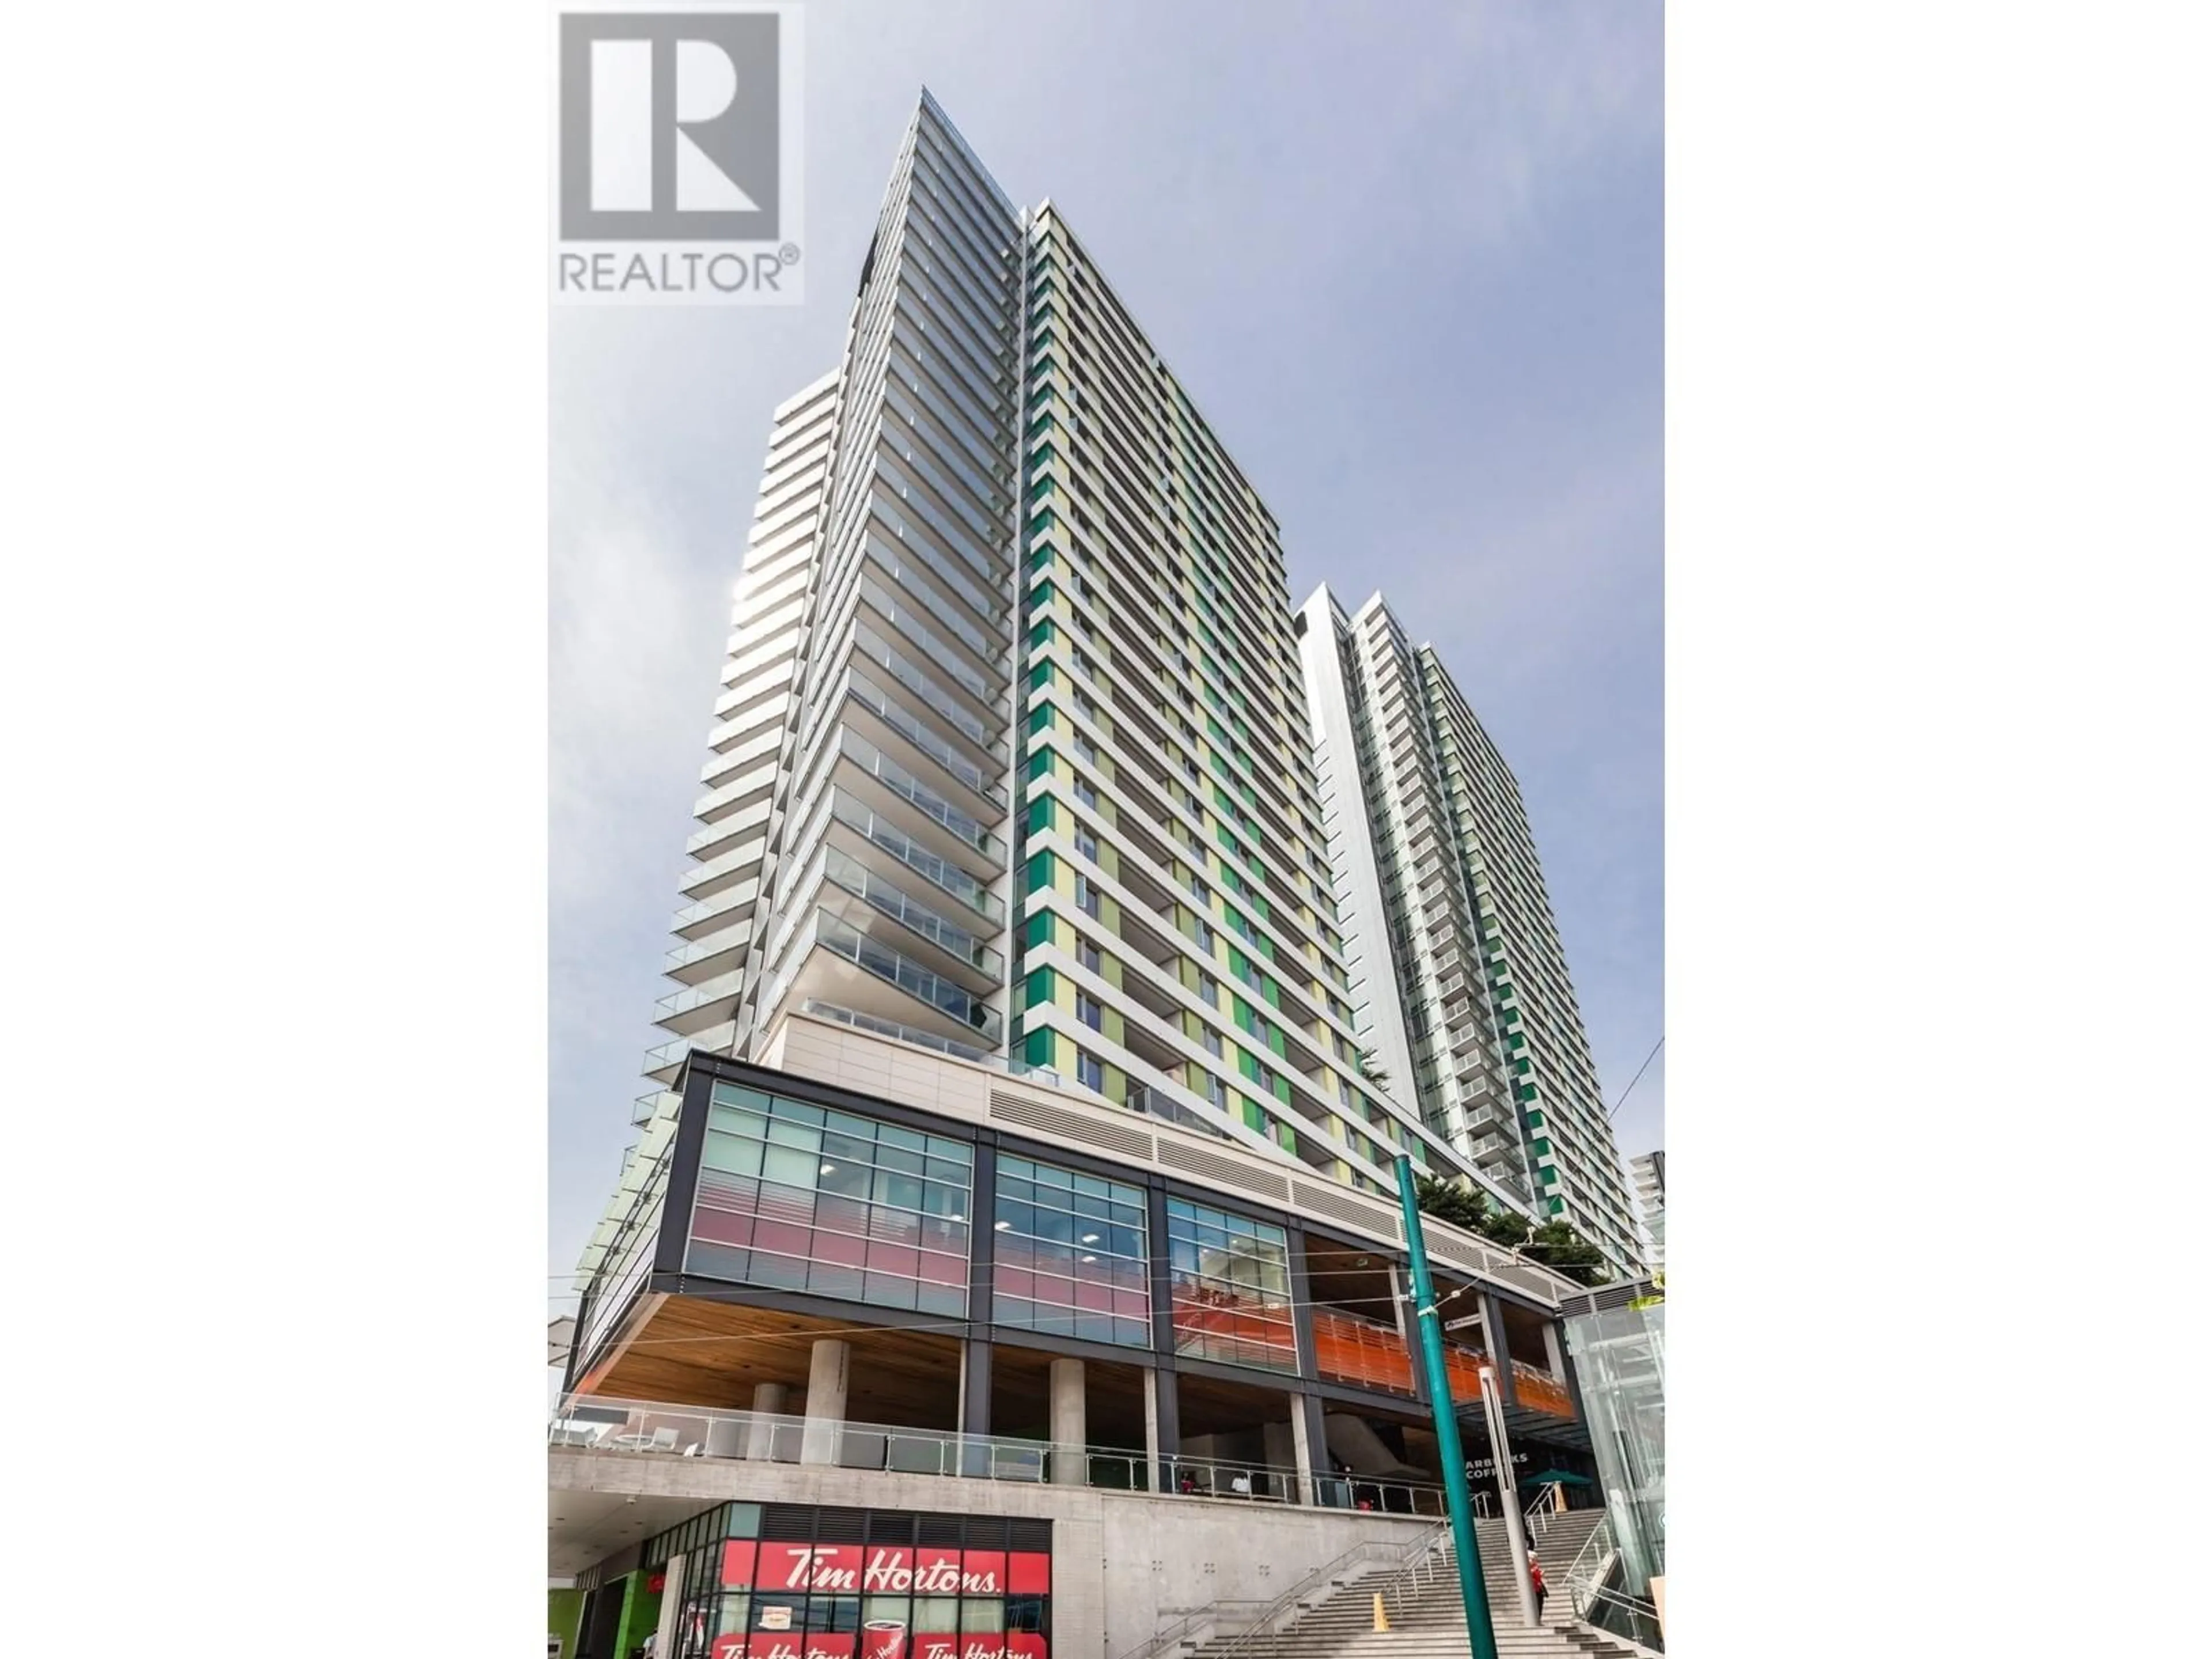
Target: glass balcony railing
(910, 626)
(853, 747)
(933, 990)
(873, 698)
(735, 937)
(880, 832)
(901, 566)
(890, 1028)
(730, 898)
(856, 878)
(596, 1424)
(867, 643)
(699, 995)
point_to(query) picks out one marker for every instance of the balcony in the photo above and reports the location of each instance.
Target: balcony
(903, 723)
(952, 1002)
(882, 783)
(696, 1007)
(841, 869)
(724, 909)
(871, 829)
(664, 1064)
(712, 955)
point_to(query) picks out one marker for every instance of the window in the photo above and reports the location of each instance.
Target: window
(1088, 1011)
(1087, 954)
(1086, 794)
(1212, 1039)
(1231, 1279)
(1086, 843)
(794, 1197)
(1198, 931)
(1209, 990)
(1083, 751)
(1086, 896)
(1089, 1072)
(1070, 1257)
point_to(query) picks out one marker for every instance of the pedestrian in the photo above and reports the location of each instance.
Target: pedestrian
(1536, 1582)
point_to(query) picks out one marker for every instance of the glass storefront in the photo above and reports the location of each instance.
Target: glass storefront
(1069, 1258)
(796, 1197)
(789, 1581)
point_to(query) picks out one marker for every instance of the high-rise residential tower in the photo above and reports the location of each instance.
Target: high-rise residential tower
(1011, 758)
(1466, 1006)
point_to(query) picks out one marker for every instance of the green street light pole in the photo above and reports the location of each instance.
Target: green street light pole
(1481, 1637)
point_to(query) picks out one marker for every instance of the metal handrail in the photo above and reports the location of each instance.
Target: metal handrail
(1192, 1618)
(1599, 1545)
(1643, 1617)
(1537, 1517)
(1586, 1588)
(1413, 1555)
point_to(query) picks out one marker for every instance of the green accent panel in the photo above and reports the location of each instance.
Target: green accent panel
(1558, 1207)
(1275, 1042)
(1247, 1066)
(1283, 1090)
(1254, 1117)
(1040, 868)
(1524, 1091)
(1040, 717)
(1535, 1120)
(1041, 815)
(1040, 987)
(1037, 1049)
(640, 1613)
(1274, 994)
(1286, 1137)
(1540, 1146)
(1040, 675)
(564, 1617)
(1040, 929)
(1042, 633)
(1040, 763)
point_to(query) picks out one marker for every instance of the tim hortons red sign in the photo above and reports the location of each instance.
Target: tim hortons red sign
(882, 1569)
(880, 1640)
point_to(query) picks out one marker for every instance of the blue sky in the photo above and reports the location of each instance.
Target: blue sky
(1407, 258)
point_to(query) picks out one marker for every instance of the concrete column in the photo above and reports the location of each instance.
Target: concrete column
(671, 1606)
(769, 1400)
(1068, 1424)
(825, 1400)
(1152, 1430)
(1306, 1441)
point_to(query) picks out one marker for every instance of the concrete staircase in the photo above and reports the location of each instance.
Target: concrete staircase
(1427, 1621)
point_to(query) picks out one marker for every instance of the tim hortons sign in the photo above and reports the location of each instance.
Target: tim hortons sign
(882, 1569)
